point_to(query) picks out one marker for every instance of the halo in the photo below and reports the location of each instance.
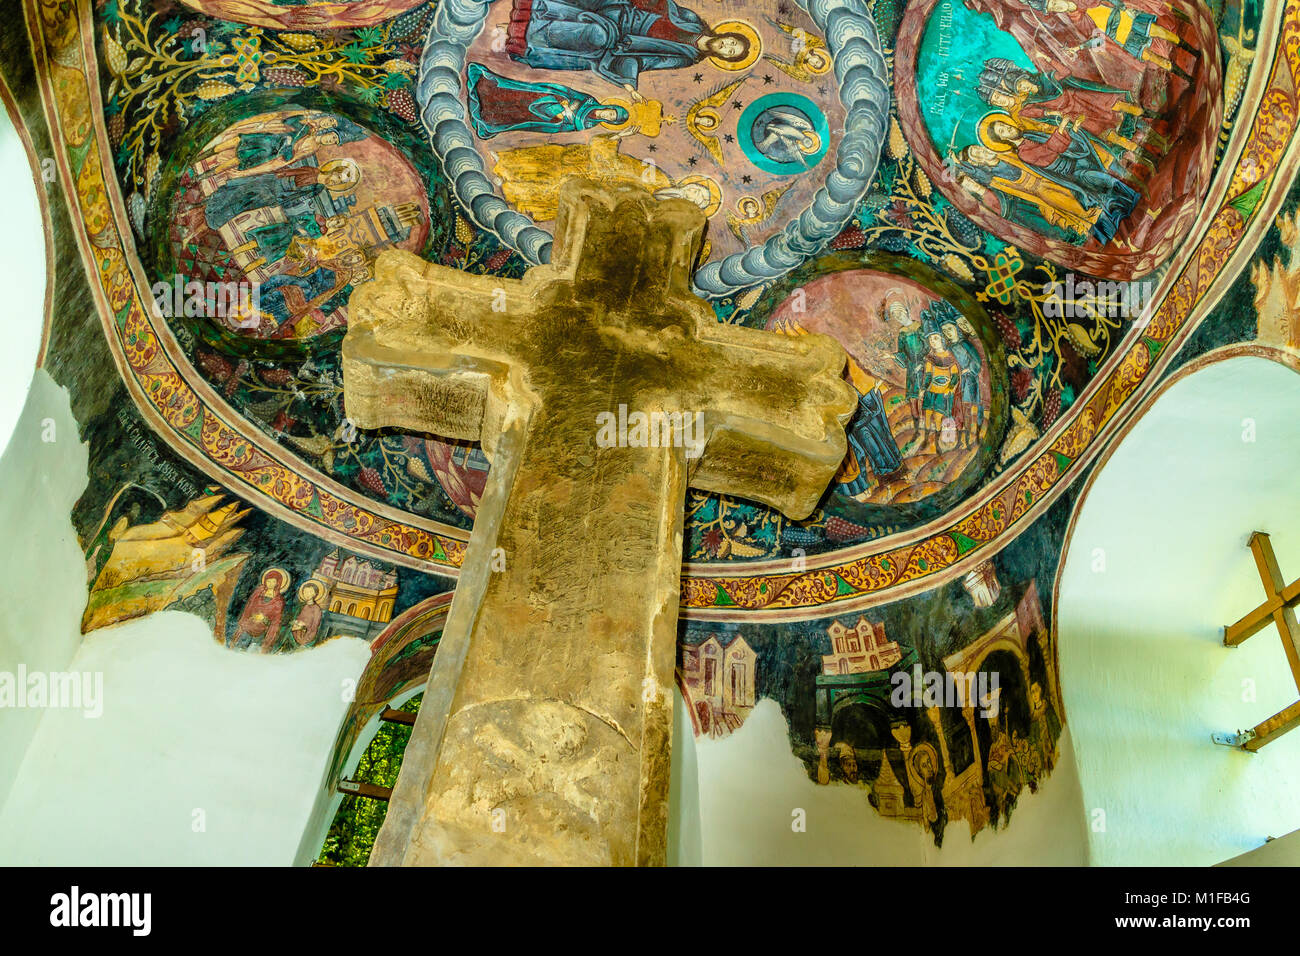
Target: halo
(706, 111)
(743, 29)
(281, 574)
(314, 585)
(715, 192)
(985, 131)
(625, 106)
(821, 56)
(811, 144)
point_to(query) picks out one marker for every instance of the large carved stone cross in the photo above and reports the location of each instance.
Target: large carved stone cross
(546, 724)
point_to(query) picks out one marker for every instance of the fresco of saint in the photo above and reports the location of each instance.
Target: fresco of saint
(272, 143)
(616, 39)
(1041, 100)
(1085, 129)
(923, 377)
(1008, 187)
(940, 378)
(307, 622)
(1069, 157)
(1135, 46)
(260, 622)
(498, 104)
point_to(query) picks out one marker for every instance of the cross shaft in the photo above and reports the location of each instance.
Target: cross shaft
(545, 731)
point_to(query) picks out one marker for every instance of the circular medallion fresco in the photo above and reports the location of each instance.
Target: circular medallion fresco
(291, 206)
(1084, 134)
(931, 379)
(738, 108)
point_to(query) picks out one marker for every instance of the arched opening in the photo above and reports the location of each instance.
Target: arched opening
(23, 250)
(1156, 564)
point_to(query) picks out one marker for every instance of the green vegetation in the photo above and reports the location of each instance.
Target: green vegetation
(355, 826)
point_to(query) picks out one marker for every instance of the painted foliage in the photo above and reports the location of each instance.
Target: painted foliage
(1082, 131)
(951, 229)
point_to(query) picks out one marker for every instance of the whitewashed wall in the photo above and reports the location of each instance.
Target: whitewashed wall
(1145, 677)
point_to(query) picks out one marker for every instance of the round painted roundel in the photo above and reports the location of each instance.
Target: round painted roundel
(736, 106)
(289, 208)
(930, 376)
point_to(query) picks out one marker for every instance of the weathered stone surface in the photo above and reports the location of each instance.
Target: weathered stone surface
(545, 730)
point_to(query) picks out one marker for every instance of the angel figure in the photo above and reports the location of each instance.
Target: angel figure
(811, 57)
(754, 211)
(703, 119)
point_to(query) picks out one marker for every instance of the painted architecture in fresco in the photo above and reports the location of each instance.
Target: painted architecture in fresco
(915, 179)
(718, 683)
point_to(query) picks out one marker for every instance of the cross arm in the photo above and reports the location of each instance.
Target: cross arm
(415, 358)
(774, 416)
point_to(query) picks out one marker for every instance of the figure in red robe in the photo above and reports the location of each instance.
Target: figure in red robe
(1064, 37)
(1041, 100)
(306, 624)
(260, 622)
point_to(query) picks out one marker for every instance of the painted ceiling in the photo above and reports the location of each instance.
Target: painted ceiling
(1017, 216)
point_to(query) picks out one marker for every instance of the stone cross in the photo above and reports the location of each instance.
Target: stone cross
(600, 388)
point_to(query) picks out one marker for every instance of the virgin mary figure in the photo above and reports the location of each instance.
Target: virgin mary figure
(498, 104)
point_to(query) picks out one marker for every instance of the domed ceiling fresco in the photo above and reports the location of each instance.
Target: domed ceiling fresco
(1016, 216)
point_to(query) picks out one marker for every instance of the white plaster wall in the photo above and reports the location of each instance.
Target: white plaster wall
(186, 724)
(751, 785)
(1145, 677)
(22, 271)
(42, 571)
(685, 841)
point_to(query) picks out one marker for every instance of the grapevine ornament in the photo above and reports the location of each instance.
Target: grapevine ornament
(161, 77)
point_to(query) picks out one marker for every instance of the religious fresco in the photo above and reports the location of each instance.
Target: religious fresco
(296, 203)
(951, 227)
(272, 397)
(944, 708)
(1056, 124)
(156, 538)
(737, 108)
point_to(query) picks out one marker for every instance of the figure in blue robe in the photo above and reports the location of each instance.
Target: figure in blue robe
(498, 104)
(1079, 167)
(292, 187)
(872, 442)
(615, 39)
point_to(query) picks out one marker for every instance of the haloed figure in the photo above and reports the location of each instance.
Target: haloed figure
(960, 338)
(617, 39)
(260, 622)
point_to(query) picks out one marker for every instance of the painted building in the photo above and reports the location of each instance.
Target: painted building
(359, 595)
(719, 683)
(859, 649)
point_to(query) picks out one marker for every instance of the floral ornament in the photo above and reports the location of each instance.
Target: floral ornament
(248, 57)
(1084, 324)
(161, 75)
